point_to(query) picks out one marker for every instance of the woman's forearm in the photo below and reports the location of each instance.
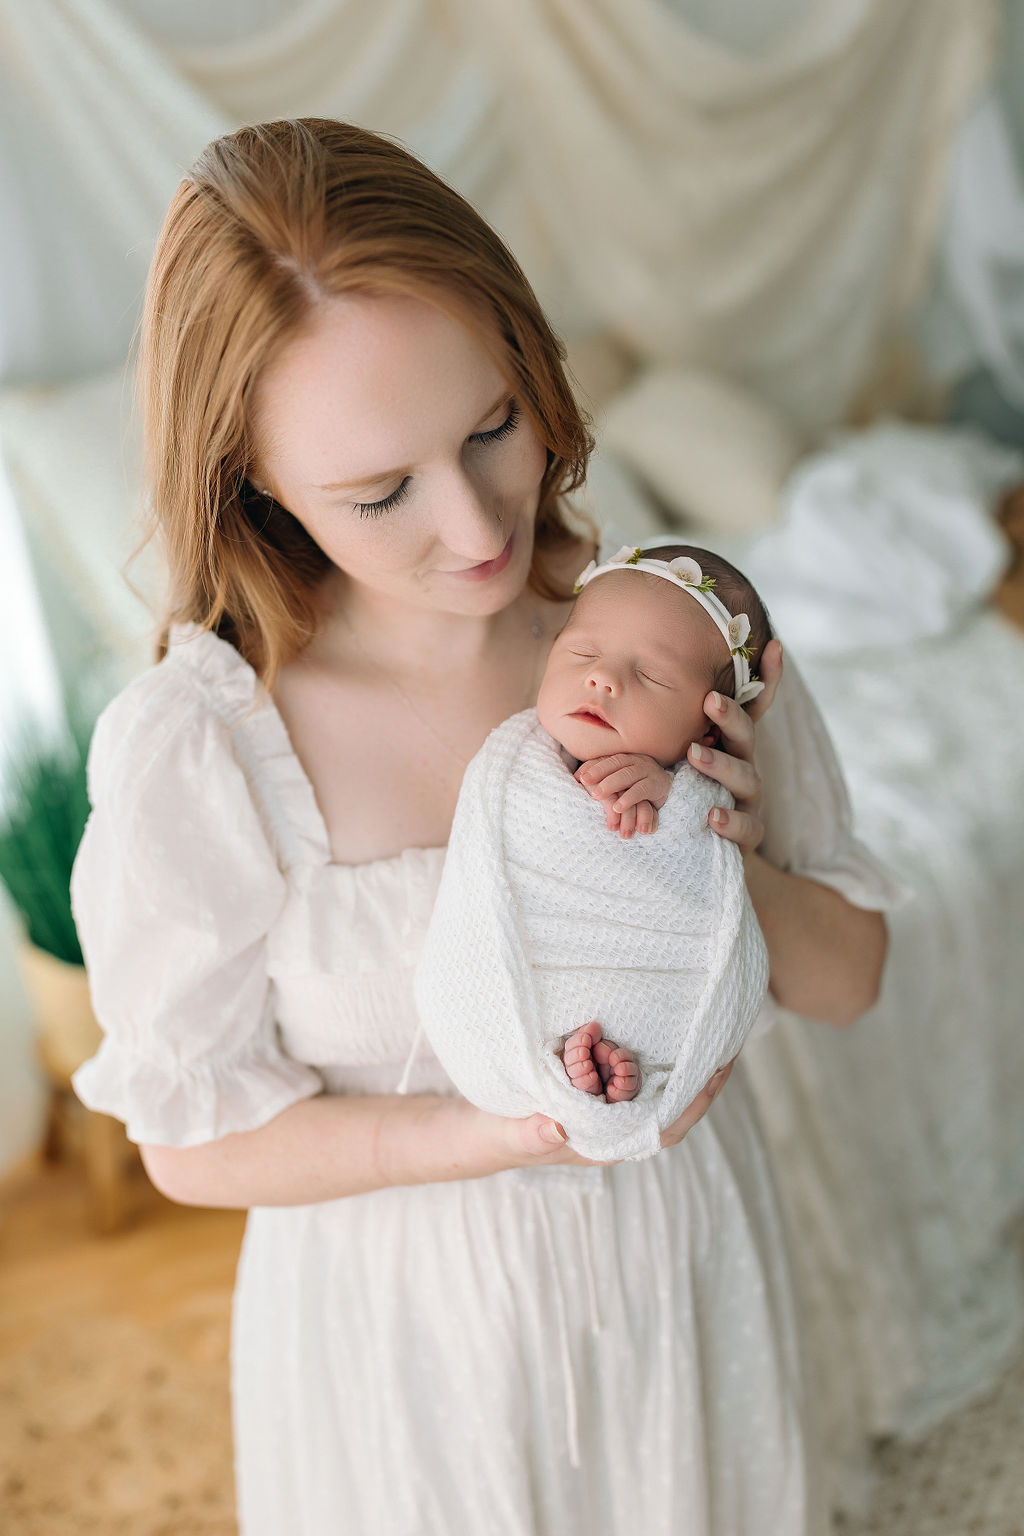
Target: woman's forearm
(330, 1146)
(826, 956)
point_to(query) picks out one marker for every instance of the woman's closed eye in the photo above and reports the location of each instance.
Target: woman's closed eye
(378, 508)
(495, 435)
(508, 426)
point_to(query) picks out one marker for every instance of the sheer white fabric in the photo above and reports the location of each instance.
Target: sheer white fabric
(696, 201)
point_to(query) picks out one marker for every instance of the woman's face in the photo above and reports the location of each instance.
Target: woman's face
(390, 433)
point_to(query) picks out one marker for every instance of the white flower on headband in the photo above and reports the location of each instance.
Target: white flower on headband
(739, 629)
(627, 555)
(749, 691)
(584, 576)
(687, 570)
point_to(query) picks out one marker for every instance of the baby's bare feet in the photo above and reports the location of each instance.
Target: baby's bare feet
(599, 1066)
(578, 1059)
(618, 1070)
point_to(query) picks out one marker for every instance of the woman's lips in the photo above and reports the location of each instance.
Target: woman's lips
(489, 567)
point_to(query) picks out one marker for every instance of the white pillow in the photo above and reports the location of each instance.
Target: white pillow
(715, 454)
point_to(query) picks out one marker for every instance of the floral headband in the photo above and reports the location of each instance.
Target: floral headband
(687, 574)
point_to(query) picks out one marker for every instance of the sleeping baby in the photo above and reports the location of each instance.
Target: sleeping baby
(551, 910)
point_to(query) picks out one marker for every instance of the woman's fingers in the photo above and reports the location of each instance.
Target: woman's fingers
(674, 1133)
(737, 827)
(734, 724)
(770, 672)
(736, 774)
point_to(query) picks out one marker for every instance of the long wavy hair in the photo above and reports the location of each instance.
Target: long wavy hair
(269, 221)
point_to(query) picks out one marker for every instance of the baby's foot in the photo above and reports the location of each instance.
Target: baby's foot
(578, 1059)
(599, 1066)
(618, 1069)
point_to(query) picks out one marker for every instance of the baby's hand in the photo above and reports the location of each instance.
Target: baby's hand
(630, 786)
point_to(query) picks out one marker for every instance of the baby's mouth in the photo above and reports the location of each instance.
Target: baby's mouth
(593, 716)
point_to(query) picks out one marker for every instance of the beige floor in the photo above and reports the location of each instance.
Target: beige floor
(113, 1365)
(113, 1385)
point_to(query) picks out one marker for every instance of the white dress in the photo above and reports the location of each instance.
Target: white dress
(603, 1351)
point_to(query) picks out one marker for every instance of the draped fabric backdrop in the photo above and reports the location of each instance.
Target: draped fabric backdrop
(730, 209)
(768, 216)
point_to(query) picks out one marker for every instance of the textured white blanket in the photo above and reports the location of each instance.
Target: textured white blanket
(545, 919)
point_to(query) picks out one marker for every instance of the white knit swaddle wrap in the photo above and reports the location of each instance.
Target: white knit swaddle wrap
(545, 919)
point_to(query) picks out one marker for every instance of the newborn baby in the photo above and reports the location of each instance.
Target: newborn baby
(623, 695)
(551, 911)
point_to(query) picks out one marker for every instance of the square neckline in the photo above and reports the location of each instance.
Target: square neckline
(233, 658)
(330, 863)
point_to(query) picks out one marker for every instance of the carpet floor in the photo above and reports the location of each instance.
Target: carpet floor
(114, 1415)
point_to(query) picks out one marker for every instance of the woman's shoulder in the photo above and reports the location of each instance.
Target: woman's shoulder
(198, 693)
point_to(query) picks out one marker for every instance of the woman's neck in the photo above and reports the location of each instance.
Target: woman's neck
(408, 638)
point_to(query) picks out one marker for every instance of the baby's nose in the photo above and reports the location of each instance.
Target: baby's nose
(603, 681)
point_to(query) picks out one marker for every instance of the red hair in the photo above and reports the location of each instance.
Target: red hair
(269, 221)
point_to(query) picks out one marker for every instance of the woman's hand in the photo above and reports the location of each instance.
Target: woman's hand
(733, 767)
(539, 1142)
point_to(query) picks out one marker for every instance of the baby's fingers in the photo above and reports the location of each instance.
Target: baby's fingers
(627, 822)
(646, 817)
(596, 769)
(613, 782)
(634, 795)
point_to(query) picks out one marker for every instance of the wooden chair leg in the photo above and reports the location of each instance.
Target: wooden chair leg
(53, 1135)
(104, 1153)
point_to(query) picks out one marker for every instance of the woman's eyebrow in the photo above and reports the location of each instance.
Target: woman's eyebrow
(388, 474)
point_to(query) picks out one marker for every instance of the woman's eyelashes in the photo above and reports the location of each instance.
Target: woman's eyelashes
(388, 503)
(378, 508)
(506, 429)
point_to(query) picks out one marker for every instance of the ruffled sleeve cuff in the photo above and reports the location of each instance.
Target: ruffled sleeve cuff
(174, 1104)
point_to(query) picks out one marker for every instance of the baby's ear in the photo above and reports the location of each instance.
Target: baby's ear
(712, 736)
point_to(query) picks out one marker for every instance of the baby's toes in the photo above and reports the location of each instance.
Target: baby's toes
(624, 1082)
(602, 1054)
(584, 1076)
(586, 1036)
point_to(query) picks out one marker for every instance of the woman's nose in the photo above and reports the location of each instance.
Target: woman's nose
(470, 527)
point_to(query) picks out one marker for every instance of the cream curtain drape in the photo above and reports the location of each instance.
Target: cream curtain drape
(766, 216)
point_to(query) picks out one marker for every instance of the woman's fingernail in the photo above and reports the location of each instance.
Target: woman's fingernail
(552, 1131)
(716, 699)
(719, 817)
(700, 754)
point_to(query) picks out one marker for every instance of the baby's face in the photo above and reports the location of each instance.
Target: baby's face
(631, 670)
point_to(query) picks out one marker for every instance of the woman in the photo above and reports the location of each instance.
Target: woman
(360, 438)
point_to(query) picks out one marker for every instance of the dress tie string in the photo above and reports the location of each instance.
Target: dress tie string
(403, 1081)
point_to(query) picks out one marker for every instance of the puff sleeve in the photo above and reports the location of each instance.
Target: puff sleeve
(174, 889)
(806, 805)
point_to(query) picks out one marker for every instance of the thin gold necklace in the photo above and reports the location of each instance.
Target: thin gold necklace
(536, 630)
